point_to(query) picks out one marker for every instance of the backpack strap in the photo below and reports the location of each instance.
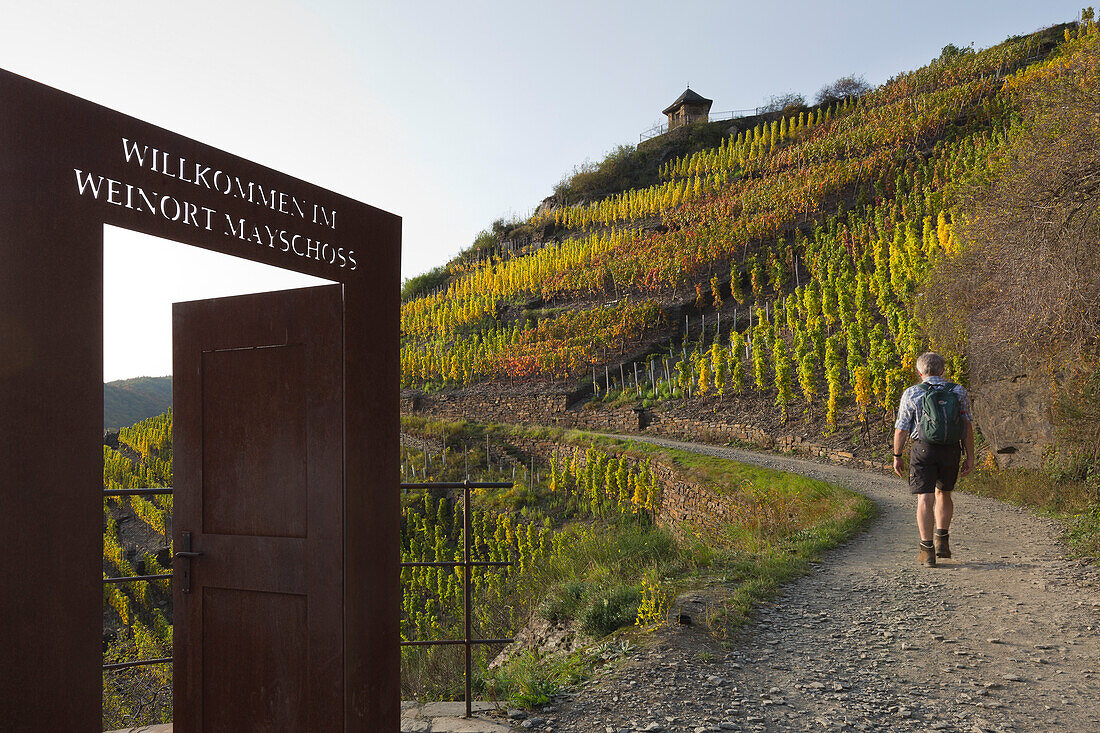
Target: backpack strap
(945, 386)
(926, 388)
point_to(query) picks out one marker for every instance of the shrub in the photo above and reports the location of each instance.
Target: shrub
(653, 607)
(564, 602)
(785, 102)
(611, 610)
(621, 169)
(532, 679)
(422, 284)
(852, 85)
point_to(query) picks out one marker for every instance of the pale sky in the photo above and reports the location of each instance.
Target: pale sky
(448, 114)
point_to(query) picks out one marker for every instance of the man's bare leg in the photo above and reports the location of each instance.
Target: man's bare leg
(945, 509)
(926, 506)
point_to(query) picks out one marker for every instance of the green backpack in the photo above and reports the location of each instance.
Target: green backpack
(939, 414)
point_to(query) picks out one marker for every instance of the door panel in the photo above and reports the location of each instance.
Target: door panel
(258, 447)
(254, 442)
(268, 693)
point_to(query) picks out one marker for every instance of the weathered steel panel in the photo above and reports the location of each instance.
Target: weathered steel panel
(67, 167)
(258, 445)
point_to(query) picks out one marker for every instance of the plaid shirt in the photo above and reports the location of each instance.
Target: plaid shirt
(907, 411)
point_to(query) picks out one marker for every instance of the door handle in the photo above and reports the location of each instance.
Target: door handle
(186, 554)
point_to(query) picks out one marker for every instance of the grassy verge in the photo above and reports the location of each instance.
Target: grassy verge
(795, 519)
(1067, 491)
(615, 580)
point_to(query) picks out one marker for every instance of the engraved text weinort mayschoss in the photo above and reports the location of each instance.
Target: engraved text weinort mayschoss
(173, 208)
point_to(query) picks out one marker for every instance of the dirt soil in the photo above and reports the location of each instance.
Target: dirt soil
(1005, 636)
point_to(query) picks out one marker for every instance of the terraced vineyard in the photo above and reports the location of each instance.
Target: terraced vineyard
(796, 249)
(137, 616)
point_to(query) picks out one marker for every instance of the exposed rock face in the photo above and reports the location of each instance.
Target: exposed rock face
(544, 638)
(1013, 412)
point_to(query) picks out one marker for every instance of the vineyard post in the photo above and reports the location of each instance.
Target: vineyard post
(466, 542)
(637, 384)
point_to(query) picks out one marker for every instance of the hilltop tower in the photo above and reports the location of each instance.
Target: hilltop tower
(689, 107)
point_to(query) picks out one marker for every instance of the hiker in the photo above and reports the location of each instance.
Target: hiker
(936, 414)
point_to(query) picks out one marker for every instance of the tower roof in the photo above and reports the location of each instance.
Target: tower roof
(688, 97)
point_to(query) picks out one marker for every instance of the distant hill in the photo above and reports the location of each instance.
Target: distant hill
(128, 401)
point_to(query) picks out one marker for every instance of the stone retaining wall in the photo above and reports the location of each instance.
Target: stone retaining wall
(555, 410)
(535, 409)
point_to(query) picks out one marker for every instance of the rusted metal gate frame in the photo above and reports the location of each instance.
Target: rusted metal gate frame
(466, 565)
(51, 394)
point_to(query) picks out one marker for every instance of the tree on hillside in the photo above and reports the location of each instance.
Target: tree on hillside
(951, 51)
(852, 85)
(785, 102)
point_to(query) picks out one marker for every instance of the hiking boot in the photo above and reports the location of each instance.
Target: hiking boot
(943, 549)
(926, 555)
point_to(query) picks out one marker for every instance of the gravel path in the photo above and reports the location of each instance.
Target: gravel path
(1002, 637)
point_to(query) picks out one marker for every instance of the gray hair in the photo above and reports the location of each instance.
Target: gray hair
(930, 364)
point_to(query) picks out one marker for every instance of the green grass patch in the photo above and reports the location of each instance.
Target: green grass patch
(603, 571)
(532, 679)
(1067, 490)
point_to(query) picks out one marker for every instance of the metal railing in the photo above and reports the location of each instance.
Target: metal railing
(466, 564)
(137, 578)
(662, 127)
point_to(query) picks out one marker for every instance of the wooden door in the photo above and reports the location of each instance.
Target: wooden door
(259, 474)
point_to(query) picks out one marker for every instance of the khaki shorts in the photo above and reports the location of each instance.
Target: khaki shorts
(933, 466)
